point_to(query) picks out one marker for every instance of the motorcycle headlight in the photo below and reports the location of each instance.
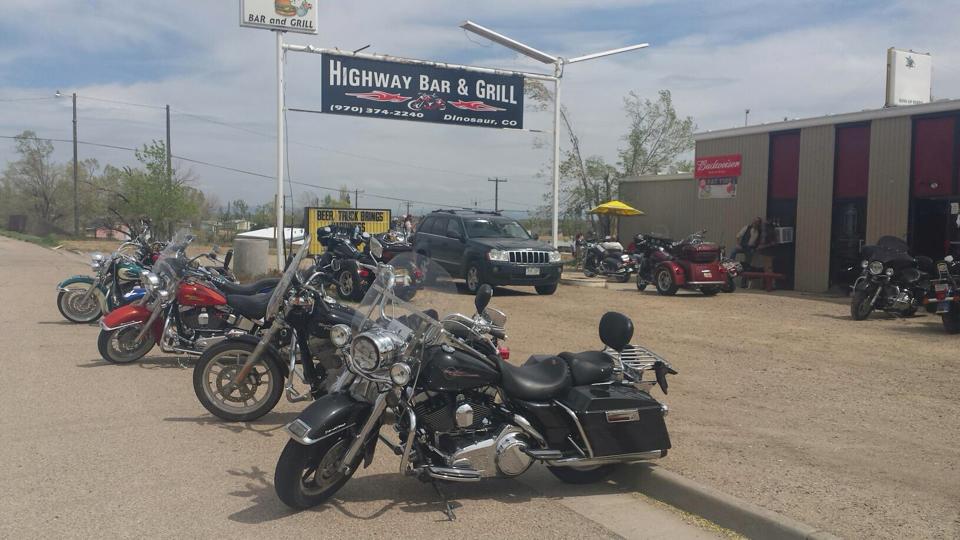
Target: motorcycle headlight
(864, 263)
(340, 335)
(150, 281)
(400, 373)
(96, 261)
(876, 268)
(497, 255)
(164, 296)
(554, 256)
(889, 271)
(365, 354)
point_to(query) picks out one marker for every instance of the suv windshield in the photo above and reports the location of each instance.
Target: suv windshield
(494, 228)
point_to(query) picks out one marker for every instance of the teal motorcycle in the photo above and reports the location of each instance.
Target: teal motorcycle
(84, 299)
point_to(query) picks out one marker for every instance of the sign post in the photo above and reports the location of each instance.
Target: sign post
(280, 16)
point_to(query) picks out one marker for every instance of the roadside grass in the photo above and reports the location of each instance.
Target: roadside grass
(46, 241)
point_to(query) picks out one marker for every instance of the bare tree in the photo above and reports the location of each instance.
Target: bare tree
(37, 181)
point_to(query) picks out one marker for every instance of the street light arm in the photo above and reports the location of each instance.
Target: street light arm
(509, 43)
(605, 53)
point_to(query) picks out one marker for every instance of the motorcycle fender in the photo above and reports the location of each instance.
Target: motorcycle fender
(124, 316)
(679, 276)
(272, 352)
(64, 285)
(861, 284)
(328, 416)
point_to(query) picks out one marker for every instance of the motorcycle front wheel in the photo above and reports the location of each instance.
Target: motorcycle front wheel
(860, 306)
(74, 309)
(257, 395)
(119, 346)
(348, 284)
(308, 475)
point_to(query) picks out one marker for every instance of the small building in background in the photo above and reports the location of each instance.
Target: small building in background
(836, 182)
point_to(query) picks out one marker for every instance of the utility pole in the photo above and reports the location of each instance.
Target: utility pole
(356, 198)
(169, 152)
(746, 116)
(496, 191)
(76, 196)
(408, 209)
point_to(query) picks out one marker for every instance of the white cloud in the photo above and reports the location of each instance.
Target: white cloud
(214, 68)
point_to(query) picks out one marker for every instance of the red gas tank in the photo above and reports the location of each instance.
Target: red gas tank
(195, 294)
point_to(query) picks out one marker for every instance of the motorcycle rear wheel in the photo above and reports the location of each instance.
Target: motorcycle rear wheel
(709, 291)
(571, 475)
(308, 475)
(623, 278)
(216, 367)
(68, 302)
(860, 306)
(951, 321)
(665, 283)
(117, 346)
(730, 286)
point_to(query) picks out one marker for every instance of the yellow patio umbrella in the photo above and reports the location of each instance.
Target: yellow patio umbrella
(616, 208)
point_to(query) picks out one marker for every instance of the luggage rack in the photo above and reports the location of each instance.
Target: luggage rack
(636, 358)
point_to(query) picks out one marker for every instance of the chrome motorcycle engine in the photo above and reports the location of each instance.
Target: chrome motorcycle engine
(502, 455)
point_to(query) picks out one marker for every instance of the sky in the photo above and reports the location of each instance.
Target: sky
(779, 59)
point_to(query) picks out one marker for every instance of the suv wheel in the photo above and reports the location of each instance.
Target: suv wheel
(546, 289)
(473, 278)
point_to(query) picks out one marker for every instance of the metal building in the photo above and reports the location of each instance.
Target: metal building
(838, 181)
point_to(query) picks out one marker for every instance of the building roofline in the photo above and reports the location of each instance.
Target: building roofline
(659, 177)
(830, 119)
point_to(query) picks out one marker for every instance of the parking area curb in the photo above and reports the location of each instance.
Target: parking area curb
(725, 510)
(584, 282)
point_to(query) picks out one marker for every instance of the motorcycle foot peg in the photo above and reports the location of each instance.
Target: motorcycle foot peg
(295, 397)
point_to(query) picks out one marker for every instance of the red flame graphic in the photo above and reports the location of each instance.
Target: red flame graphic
(474, 106)
(380, 95)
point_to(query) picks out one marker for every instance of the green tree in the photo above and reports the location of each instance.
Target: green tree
(35, 183)
(656, 140)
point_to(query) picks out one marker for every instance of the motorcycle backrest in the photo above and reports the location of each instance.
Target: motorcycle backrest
(616, 330)
(484, 294)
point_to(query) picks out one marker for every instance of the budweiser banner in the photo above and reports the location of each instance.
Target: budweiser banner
(381, 89)
(717, 188)
(717, 166)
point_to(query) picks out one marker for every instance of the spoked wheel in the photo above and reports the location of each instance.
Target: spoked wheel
(860, 306)
(254, 397)
(121, 347)
(308, 475)
(582, 475)
(347, 285)
(75, 309)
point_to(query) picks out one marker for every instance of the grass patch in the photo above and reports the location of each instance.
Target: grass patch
(47, 241)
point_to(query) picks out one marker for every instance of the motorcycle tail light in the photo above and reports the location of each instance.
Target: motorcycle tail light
(364, 272)
(418, 274)
(504, 352)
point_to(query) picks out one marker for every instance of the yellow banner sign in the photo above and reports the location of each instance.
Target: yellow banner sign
(345, 220)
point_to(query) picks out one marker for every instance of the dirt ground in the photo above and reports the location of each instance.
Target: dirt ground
(785, 401)
(781, 399)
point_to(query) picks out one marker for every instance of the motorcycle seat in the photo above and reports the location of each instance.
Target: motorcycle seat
(252, 306)
(588, 367)
(538, 381)
(248, 289)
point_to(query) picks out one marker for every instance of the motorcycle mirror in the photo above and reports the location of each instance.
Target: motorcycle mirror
(484, 294)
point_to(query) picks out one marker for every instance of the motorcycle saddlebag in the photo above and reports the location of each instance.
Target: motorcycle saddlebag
(618, 419)
(701, 253)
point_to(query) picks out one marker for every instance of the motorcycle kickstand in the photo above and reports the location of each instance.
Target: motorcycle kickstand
(447, 506)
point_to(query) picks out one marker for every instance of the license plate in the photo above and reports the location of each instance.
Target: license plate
(707, 274)
(533, 271)
(940, 287)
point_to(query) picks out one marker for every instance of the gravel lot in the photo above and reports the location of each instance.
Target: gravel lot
(781, 400)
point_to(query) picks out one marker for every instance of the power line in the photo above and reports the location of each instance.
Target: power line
(130, 103)
(27, 99)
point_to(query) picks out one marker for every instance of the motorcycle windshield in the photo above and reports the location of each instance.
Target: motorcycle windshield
(276, 299)
(173, 259)
(408, 298)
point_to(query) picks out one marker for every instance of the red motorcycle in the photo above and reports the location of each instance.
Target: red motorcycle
(186, 309)
(427, 102)
(689, 264)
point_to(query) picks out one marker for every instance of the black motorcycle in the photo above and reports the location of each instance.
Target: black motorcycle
(608, 259)
(891, 280)
(945, 294)
(241, 378)
(649, 252)
(460, 412)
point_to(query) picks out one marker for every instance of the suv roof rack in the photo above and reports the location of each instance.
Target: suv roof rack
(460, 211)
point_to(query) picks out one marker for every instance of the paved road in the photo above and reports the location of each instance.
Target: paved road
(92, 449)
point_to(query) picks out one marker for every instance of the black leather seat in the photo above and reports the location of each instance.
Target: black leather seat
(538, 381)
(248, 289)
(589, 367)
(250, 306)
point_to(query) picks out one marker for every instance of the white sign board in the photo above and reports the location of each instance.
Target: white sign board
(285, 15)
(909, 76)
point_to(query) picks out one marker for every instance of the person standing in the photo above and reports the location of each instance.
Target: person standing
(748, 239)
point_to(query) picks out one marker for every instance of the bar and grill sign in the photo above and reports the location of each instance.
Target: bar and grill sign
(371, 88)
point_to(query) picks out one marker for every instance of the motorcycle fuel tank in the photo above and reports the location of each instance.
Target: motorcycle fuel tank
(195, 294)
(453, 371)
